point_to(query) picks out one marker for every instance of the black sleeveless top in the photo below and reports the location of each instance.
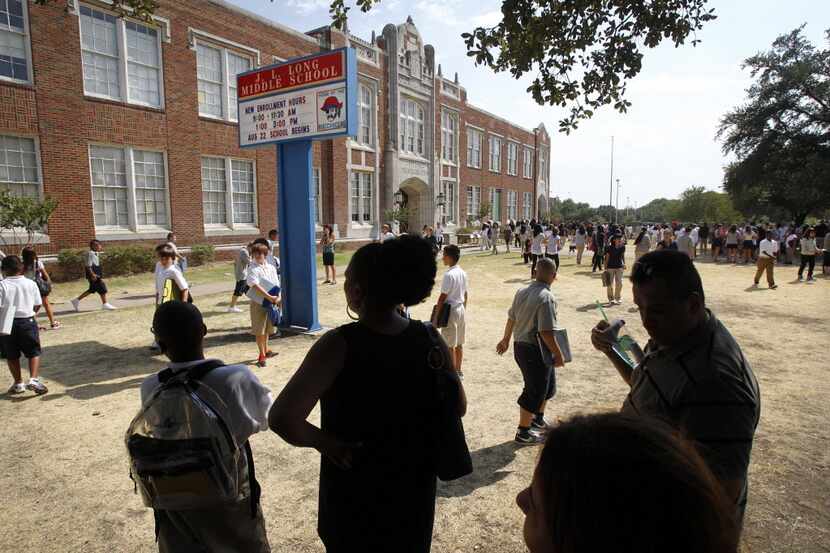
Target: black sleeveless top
(384, 398)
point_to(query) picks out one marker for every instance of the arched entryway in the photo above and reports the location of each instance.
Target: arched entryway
(415, 199)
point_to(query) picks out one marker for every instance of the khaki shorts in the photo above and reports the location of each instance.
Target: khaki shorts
(261, 324)
(454, 332)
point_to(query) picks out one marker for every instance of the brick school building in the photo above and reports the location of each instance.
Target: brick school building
(132, 127)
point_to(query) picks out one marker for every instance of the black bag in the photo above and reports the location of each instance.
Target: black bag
(43, 285)
(451, 454)
(443, 318)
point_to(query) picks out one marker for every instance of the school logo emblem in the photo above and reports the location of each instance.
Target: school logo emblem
(331, 113)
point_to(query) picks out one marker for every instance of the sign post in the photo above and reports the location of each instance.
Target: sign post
(291, 104)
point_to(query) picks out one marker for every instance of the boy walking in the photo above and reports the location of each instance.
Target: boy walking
(170, 282)
(767, 255)
(240, 273)
(95, 276)
(180, 330)
(454, 293)
(263, 283)
(21, 295)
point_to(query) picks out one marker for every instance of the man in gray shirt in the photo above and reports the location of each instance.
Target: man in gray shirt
(693, 374)
(240, 273)
(531, 321)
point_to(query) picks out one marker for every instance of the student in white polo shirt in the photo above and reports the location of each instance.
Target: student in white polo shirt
(22, 295)
(454, 293)
(767, 255)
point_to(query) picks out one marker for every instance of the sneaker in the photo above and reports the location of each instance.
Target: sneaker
(36, 386)
(529, 438)
(261, 362)
(460, 375)
(800, 278)
(773, 287)
(108, 307)
(234, 310)
(755, 285)
(155, 346)
(809, 279)
(17, 388)
(542, 425)
(76, 304)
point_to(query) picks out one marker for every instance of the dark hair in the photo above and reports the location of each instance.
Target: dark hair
(164, 250)
(258, 248)
(29, 256)
(453, 251)
(262, 241)
(179, 324)
(613, 482)
(11, 265)
(93, 242)
(170, 235)
(671, 267)
(400, 271)
(272, 232)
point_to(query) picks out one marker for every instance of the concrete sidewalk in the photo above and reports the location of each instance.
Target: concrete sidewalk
(145, 297)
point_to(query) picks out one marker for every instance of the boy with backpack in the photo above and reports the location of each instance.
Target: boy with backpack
(95, 276)
(20, 295)
(189, 452)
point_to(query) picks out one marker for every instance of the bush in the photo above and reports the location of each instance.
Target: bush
(125, 260)
(201, 254)
(71, 262)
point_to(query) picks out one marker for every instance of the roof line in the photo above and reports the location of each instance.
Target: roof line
(264, 20)
(502, 119)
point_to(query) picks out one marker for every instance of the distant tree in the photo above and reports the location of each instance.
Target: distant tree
(660, 210)
(23, 214)
(484, 210)
(698, 204)
(582, 53)
(781, 134)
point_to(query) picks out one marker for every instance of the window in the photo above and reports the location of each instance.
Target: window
(449, 134)
(365, 105)
(512, 158)
(14, 58)
(512, 205)
(450, 201)
(121, 59)
(129, 188)
(412, 127)
(473, 148)
(361, 197)
(318, 196)
(473, 201)
(527, 163)
(495, 154)
(543, 167)
(225, 205)
(216, 71)
(18, 165)
(527, 205)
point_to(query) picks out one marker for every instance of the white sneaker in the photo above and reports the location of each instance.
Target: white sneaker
(36, 386)
(234, 310)
(108, 307)
(17, 388)
(76, 304)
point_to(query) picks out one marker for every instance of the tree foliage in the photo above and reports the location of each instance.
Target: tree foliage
(781, 134)
(23, 214)
(582, 53)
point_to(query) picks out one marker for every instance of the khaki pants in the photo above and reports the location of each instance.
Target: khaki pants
(615, 288)
(765, 264)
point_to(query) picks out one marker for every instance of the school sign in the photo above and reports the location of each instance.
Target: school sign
(291, 104)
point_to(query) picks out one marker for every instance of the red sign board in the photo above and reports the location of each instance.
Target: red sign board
(288, 76)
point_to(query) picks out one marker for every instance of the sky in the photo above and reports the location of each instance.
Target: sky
(663, 145)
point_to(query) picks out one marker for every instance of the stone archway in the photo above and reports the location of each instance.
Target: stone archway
(416, 199)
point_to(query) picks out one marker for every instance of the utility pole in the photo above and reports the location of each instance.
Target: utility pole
(617, 207)
(611, 184)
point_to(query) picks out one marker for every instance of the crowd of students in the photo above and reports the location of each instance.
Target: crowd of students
(668, 472)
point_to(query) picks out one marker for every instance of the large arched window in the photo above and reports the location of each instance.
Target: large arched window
(412, 127)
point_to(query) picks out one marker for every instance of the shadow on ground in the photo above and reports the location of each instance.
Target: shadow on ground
(488, 465)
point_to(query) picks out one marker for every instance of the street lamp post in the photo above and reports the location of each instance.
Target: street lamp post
(617, 207)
